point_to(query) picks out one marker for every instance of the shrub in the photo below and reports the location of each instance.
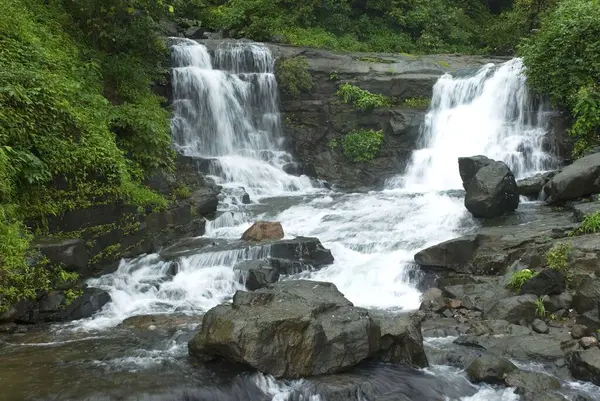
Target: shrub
(293, 76)
(362, 145)
(563, 62)
(589, 225)
(361, 99)
(557, 256)
(540, 308)
(517, 279)
(417, 103)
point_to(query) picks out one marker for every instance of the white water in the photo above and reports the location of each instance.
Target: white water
(231, 116)
(226, 110)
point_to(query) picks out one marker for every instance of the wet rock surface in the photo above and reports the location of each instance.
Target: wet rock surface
(582, 178)
(256, 274)
(489, 369)
(263, 231)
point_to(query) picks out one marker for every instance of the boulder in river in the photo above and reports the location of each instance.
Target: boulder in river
(585, 365)
(296, 255)
(290, 329)
(532, 186)
(492, 192)
(469, 166)
(529, 383)
(582, 178)
(489, 369)
(263, 230)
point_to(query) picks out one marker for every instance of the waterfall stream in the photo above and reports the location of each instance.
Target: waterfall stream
(226, 112)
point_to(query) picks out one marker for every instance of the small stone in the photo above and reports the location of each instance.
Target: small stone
(246, 199)
(588, 342)
(578, 331)
(539, 326)
(447, 313)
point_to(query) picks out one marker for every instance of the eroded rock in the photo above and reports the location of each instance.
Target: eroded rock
(582, 178)
(263, 230)
(489, 369)
(256, 274)
(585, 365)
(492, 192)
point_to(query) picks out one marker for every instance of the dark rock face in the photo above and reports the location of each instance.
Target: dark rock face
(299, 169)
(587, 295)
(492, 191)
(585, 365)
(546, 282)
(489, 369)
(514, 309)
(256, 273)
(293, 256)
(469, 166)
(71, 253)
(290, 329)
(582, 178)
(532, 186)
(401, 340)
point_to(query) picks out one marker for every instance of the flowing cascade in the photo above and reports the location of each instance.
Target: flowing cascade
(490, 113)
(226, 110)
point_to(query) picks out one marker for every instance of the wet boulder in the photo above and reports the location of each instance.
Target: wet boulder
(492, 192)
(489, 369)
(585, 365)
(582, 178)
(546, 282)
(255, 274)
(70, 253)
(263, 230)
(469, 166)
(401, 339)
(530, 383)
(514, 309)
(299, 169)
(290, 329)
(532, 186)
(298, 254)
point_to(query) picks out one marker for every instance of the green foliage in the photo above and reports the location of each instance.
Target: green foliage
(182, 191)
(293, 76)
(372, 59)
(517, 279)
(361, 99)
(540, 308)
(557, 256)
(334, 143)
(79, 124)
(375, 25)
(333, 76)
(589, 225)
(563, 62)
(362, 145)
(417, 102)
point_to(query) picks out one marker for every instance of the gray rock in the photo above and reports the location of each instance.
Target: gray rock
(246, 199)
(256, 274)
(539, 326)
(489, 369)
(295, 255)
(514, 309)
(554, 303)
(587, 295)
(583, 209)
(290, 329)
(492, 192)
(469, 166)
(401, 340)
(194, 32)
(433, 299)
(546, 348)
(578, 331)
(71, 253)
(585, 365)
(497, 327)
(582, 178)
(528, 383)
(531, 186)
(84, 306)
(546, 282)
(588, 342)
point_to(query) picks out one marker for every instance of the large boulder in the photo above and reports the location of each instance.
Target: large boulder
(585, 365)
(70, 253)
(532, 186)
(582, 178)
(263, 230)
(489, 369)
(401, 339)
(546, 282)
(469, 166)
(587, 295)
(529, 383)
(492, 192)
(296, 255)
(514, 309)
(256, 274)
(290, 329)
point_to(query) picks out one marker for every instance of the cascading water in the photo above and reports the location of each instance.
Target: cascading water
(226, 111)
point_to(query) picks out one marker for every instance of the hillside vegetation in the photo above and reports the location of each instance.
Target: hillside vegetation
(80, 125)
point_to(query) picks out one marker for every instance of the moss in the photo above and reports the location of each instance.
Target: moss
(293, 76)
(444, 64)
(370, 59)
(416, 103)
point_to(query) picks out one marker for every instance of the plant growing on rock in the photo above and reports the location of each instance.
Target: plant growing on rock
(361, 99)
(362, 145)
(540, 308)
(589, 225)
(517, 279)
(417, 102)
(293, 76)
(556, 257)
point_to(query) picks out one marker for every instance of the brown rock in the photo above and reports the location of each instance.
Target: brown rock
(454, 303)
(263, 230)
(588, 342)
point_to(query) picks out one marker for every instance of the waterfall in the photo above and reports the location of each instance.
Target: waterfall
(491, 113)
(226, 109)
